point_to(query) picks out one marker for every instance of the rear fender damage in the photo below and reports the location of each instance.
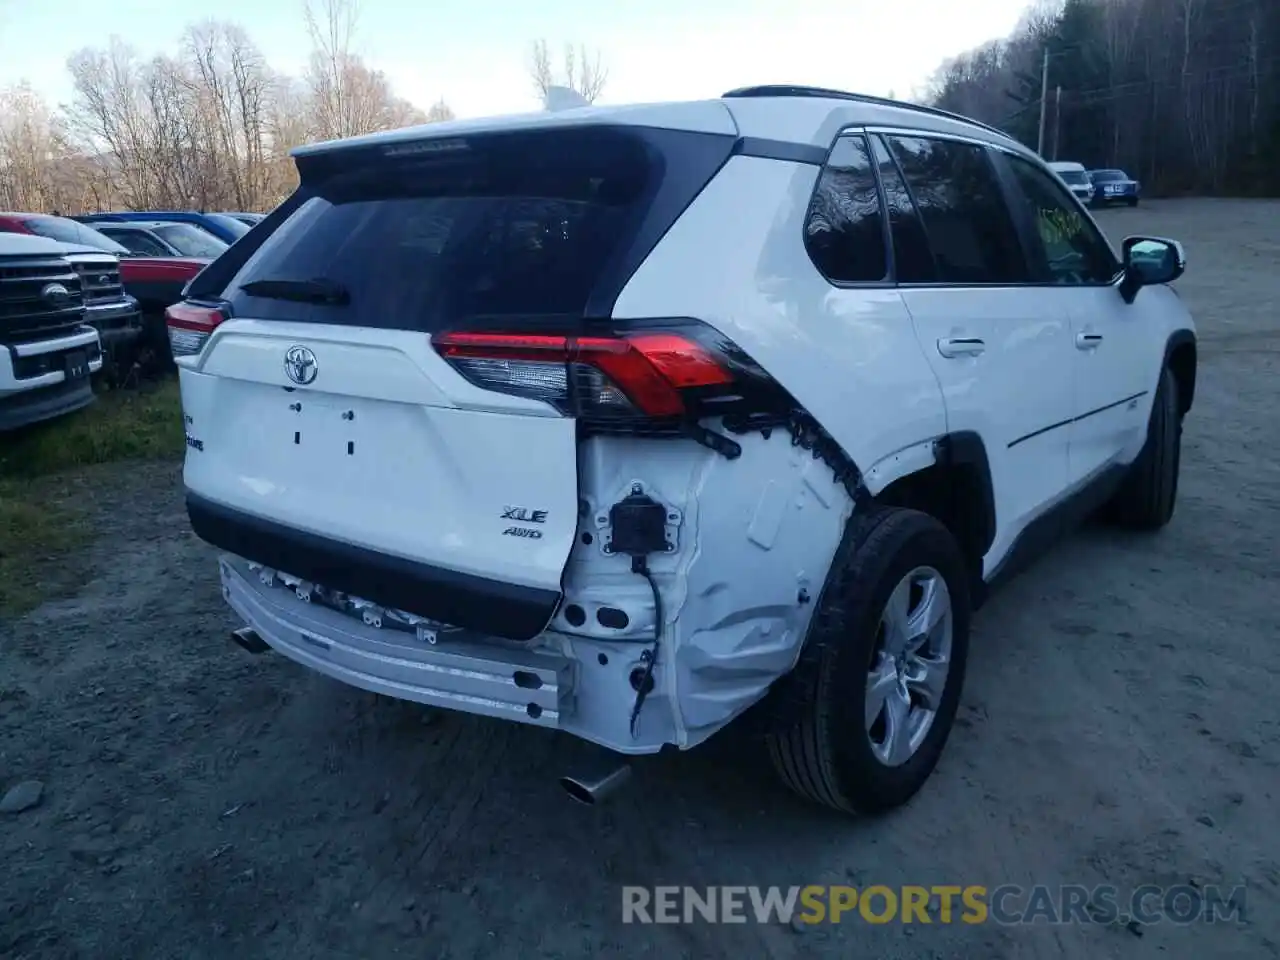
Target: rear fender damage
(751, 539)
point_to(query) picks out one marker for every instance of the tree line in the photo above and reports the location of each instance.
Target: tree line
(1182, 94)
(210, 126)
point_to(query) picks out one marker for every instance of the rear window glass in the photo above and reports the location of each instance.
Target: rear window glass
(504, 227)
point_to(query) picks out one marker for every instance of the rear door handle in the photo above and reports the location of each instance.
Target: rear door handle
(951, 347)
(1088, 341)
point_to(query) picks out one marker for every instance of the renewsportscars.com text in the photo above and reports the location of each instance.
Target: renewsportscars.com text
(942, 904)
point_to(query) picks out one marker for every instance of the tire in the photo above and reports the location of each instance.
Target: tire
(1132, 201)
(1149, 491)
(819, 741)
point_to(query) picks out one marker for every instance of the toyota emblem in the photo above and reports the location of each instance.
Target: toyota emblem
(300, 365)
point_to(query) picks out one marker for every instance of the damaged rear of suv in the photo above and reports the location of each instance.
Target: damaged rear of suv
(552, 419)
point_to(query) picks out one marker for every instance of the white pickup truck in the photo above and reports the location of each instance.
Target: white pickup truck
(47, 350)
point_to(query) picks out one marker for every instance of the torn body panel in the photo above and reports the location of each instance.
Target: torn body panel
(730, 629)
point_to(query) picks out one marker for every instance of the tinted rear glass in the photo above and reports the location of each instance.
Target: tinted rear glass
(1074, 176)
(1106, 176)
(504, 227)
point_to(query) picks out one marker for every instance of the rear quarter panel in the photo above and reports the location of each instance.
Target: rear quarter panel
(736, 260)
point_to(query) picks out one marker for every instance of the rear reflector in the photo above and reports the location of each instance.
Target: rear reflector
(642, 373)
(189, 327)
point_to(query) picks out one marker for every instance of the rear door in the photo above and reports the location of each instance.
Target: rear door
(1001, 354)
(331, 416)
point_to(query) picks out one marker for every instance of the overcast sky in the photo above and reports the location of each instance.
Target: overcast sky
(474, 55)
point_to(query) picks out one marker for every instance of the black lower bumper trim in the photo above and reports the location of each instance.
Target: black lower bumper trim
(487, 606)
(44, 403)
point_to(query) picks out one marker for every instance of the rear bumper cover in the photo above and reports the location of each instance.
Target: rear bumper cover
(531, 686)
(486, 606)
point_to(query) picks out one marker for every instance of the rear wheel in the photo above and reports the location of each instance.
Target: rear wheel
(867, 711)
(1146, 499)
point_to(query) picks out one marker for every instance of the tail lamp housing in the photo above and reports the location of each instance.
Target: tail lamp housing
(189, 326)
(668, 371)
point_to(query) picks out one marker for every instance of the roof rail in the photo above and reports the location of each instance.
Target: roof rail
(790, 90)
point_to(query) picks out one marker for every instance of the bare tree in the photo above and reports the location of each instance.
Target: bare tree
(211, 126)
(1185, 94)
(348, 97)
(229, 85)
(580, 70)
(32, 147)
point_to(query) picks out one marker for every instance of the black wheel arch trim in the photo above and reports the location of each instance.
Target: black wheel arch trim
(1178, 340)
(492, 607)
(966, 448)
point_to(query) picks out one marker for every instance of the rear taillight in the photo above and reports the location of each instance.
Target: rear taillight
(674, 371)
(189, 327)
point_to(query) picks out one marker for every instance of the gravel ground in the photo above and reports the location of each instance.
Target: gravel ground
(199, 802)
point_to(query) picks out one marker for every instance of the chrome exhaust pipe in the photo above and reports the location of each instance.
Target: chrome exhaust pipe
(247, 639)
(594, 789)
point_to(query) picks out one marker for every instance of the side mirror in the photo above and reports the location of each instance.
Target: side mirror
(1148, 261)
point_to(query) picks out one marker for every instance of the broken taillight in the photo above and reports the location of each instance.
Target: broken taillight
(189, 326)
(674, 371)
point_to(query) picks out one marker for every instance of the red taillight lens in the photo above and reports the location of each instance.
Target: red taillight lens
(633, 373)
(189, 327)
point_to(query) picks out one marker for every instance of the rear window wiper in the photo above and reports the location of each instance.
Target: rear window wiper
(303, 291)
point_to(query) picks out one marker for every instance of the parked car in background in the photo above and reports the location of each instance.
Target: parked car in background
(154, 282)
(252, 219)
(48, 351)
(1076, 177)
(1114, 186)
(225, 227)
(108, 307)
(163, 239)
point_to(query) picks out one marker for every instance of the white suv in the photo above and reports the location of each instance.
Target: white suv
(47, 350)
(623, 420)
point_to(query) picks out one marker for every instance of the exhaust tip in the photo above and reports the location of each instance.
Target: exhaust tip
(247, 639)
(577, 791)
(591, 790)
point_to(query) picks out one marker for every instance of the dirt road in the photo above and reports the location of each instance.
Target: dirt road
(1120, 725)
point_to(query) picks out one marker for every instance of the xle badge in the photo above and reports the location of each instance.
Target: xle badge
(524, 515)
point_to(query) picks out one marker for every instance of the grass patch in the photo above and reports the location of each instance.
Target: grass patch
(44, 524)
(142, 424)
(41, 530)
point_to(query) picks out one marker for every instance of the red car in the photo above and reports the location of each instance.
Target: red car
(155, 282)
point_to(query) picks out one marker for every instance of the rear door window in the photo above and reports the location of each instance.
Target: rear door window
(504, 227)
(970, 229)
(912, 258)
(844, 230)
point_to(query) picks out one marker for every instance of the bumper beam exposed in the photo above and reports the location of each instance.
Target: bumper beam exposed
(489, 678)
